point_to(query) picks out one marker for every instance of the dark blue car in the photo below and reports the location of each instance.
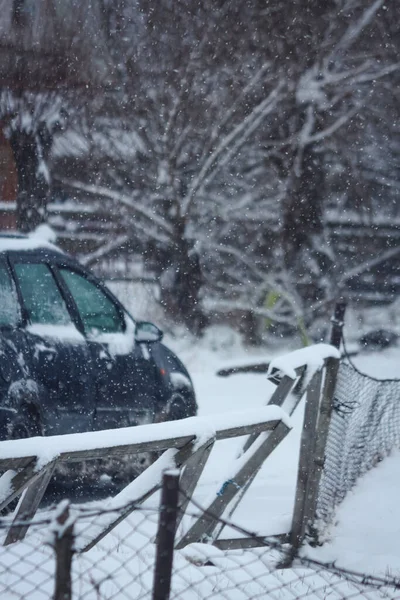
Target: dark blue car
(72, 358)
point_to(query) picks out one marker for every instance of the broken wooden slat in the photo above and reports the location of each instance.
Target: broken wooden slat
(193, 469)
(29, 505)
(256, 541)
(21, 481)
(205, 525)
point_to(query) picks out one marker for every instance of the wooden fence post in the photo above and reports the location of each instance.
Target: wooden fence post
(325, 413)
(166, 535)
(64, 550)
(318, 409)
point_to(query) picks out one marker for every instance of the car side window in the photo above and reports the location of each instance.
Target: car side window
(9, 306)
(98, 312)
(41, 295)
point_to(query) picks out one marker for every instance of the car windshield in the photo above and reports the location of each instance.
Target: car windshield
(9, 307)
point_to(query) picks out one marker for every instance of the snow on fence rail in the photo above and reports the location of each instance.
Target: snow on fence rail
(187, 442)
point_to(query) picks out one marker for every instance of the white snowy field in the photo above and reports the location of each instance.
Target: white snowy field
(364, 538)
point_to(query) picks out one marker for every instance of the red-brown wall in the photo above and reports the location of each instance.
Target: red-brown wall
(8, 185)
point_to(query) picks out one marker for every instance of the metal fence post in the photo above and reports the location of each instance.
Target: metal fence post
(337, 323)
(166, 535)
(64, 550)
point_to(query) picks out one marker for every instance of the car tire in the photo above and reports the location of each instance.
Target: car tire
(26, 424)
(181, 405)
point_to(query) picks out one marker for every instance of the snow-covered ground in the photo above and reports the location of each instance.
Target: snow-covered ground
(364, 537)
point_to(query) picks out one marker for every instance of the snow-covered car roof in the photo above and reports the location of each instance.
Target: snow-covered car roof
(33, 241)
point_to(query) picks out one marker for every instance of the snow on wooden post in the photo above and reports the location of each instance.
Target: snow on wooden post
(166, 535)
(63, 529)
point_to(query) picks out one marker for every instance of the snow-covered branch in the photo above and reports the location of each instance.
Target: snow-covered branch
(101, 191)
(238, 305)
(354, 30)
(369, 264)
(342, 120)
(229, 114)
(237, 136)
(104, 249)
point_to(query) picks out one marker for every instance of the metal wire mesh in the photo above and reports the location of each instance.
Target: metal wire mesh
(364, 428)
(121, 566)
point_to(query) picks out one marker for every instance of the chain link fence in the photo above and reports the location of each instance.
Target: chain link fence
(133, 562)
(121, 566)
(364, 428)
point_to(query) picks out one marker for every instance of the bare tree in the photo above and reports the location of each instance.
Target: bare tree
(329, 99)
(195, 113)
(231, 132)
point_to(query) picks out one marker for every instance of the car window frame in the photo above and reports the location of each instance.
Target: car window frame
(4, 259)
(54, 264)
(15, 258)
(76, 268)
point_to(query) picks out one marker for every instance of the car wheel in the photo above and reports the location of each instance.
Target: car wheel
(25, 425)
(181, 405)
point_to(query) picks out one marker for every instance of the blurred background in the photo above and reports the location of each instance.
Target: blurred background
(217, 162)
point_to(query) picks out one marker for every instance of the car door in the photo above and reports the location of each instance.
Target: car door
(59, 357)
(127, 382)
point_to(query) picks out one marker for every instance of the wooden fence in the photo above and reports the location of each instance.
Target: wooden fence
(186, 445)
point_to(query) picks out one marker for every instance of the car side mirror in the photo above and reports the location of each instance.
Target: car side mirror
(147, 332)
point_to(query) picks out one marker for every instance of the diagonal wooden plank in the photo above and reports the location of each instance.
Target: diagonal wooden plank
(277, 399)
(193, 468)
(286, 397)
(248, 464)
(21, 480)
(140, 489)
(29, 505)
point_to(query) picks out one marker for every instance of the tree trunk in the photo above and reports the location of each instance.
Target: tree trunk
(182, 280)
(306, 250)
(30, 152)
